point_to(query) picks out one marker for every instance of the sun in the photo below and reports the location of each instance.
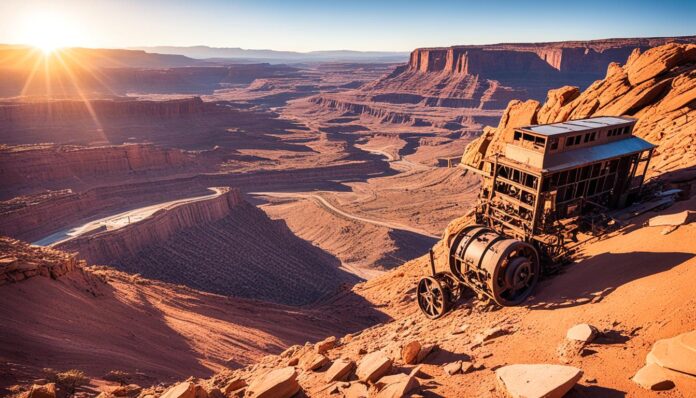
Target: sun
(48, 31)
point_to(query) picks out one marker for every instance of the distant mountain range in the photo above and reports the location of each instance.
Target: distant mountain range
(272, 56)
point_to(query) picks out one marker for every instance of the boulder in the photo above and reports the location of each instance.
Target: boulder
(677, 353)
(409, 352)
(234, 384)
(43, 391)
(675, 219)
(396, 386)
(425, 350)
(653, 377)
(355, 390)
(582, 332)
(373, 366)
(313, 361)
(200, 391)
(325, 345)
(339, 370)
(181, 390)
(537, 380)
(453, 368)
(279, 383)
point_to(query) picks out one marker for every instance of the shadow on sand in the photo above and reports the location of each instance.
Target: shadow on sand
(596, 277)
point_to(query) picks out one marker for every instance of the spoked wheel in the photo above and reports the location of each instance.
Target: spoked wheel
(433, 297)
(516, 278)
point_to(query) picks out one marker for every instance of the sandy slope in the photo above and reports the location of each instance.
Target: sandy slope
(640, 288)
(134, 324)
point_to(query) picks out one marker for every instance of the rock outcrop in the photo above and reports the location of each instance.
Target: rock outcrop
(657, 87)
(20, 261)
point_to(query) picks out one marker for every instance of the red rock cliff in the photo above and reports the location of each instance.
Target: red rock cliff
(107, 246)
(564, 57)
(658, 87)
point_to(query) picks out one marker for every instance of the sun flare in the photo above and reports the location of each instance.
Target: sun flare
(48, 31)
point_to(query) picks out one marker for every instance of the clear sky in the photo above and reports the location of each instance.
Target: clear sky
(332, 25)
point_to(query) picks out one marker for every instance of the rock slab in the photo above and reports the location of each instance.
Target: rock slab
(181, 390)
(653, 377)
(537, 380)
(279, 383)
(339, 370)
(373, 366)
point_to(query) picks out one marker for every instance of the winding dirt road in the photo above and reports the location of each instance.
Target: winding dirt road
(335, 210)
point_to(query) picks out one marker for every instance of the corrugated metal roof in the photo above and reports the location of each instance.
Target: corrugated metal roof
(577, 125)
(581, 156)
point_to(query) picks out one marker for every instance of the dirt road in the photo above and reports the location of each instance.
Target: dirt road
(333, 209)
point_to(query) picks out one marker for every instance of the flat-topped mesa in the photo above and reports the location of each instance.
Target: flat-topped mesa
(515, 58)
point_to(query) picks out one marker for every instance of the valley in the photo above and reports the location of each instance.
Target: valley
(216, 219)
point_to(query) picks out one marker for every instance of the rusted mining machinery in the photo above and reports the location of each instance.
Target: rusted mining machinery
(550, 181)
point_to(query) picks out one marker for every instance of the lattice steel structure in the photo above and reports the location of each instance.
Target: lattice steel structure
(534, 194)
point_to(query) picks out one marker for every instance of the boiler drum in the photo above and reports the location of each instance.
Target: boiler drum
(504, 269)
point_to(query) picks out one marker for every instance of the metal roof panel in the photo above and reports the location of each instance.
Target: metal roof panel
(577, 125)
(581, 156)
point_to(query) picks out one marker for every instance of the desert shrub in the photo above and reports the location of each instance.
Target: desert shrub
(71, 379)
(118, 376)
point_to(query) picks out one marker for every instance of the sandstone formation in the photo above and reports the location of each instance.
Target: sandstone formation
(20, 261)
(677, 353)
(657, 87)
(489, 76)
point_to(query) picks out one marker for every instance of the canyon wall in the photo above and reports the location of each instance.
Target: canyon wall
(106, 247)
(222, 245)
(516, 58)
(657, 87)
(489, 76)
(33, 217)
(38, 167)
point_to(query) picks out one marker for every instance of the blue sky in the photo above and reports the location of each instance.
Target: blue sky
(324, 25)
